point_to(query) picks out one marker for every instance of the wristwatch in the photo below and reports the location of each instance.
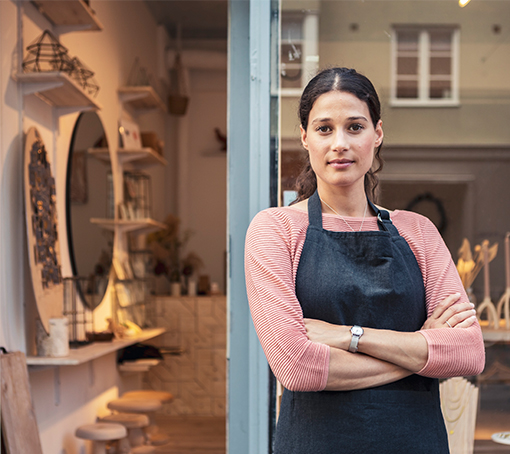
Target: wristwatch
(357, 332)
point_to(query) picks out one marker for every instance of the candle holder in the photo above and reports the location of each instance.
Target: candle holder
(81, 296)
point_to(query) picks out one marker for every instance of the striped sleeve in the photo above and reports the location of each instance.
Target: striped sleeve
(452, 352)
(270, 255)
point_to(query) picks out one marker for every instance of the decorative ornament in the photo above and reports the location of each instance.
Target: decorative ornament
(46, 54)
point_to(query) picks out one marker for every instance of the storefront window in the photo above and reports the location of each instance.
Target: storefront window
(441, 72)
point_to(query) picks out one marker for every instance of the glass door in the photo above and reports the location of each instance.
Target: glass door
(441, 71)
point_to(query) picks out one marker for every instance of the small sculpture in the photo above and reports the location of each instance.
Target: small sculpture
(492, 314)
(504, 302)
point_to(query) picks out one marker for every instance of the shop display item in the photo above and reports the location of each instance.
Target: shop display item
(504, 302)
(42, 229)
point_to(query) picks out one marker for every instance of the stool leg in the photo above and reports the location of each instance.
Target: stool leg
(99, 447)
(136, 437)
(124, 447)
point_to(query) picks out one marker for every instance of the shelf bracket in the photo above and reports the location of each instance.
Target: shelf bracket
(56, 378)
(29, 89)
(61, 111)
(63, 29)
(126, 97)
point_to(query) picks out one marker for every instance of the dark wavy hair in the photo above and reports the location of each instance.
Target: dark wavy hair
(349, 81)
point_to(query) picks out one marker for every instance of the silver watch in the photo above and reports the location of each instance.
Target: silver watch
(357, 332)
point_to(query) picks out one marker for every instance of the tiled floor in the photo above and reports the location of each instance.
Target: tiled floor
(193, 434)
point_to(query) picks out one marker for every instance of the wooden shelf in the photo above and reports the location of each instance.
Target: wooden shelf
(141, 98)
(129, 225)
(57, 89)
(71, 15)
(93, 351)
(144, 157)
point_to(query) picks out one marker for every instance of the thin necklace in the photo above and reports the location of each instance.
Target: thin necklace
(345, 220)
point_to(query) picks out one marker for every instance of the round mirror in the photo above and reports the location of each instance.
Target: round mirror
(88, 191)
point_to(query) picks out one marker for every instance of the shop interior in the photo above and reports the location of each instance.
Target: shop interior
(114, 152)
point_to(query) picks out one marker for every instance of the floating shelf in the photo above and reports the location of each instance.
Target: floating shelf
(71, 15)
(129, 225)
(145, 157)
(141, 98)
(57, 89)
(94, 350)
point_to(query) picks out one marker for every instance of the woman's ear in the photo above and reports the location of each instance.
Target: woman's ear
(303, 137)
(379, 133)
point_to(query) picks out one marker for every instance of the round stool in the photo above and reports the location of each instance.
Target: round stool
(134, 424)
(135, 405)
(100, 433)
(144, 406)
(162, 396)
(152, 431)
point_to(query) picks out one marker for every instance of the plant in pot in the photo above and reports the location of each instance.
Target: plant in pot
(166, 246)
(190, 265)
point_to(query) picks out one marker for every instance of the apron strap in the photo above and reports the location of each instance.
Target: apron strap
(315, 210)
(315, 215)
(383, 219)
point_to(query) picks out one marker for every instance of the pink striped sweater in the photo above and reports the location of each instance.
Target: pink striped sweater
(274, 243)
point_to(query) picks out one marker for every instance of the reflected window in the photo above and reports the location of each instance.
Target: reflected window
(425, 61)
(299, 54)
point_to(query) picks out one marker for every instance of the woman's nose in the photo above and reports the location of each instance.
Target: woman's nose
(340, 142)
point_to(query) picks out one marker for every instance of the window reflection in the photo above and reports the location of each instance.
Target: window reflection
(442, 75)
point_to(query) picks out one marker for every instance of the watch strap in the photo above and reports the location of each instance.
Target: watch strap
(353, 346)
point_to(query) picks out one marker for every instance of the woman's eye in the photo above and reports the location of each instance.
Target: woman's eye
(323, 129)
(356, 127)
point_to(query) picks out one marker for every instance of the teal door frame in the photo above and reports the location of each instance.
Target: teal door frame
(248, 192)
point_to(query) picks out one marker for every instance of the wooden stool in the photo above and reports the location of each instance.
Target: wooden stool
(162, 396)
(155, 437)
(100, 433)
(134, 423)
(143, 406)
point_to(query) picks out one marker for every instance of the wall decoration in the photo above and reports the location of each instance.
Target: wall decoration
(442, 223)
(47, 54)
(42, 230)
(130, 135)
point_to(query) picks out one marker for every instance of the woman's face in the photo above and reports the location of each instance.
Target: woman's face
(341, 140)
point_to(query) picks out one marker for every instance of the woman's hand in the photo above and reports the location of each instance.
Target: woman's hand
(450, 314)
(337, 336)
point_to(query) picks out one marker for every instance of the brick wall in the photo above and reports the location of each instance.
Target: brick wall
(197, 376)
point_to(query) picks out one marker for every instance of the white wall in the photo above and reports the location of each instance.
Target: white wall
(68, 396)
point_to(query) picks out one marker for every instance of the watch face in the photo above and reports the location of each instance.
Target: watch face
(357, 330)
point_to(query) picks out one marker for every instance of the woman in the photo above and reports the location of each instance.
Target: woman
(359, 312)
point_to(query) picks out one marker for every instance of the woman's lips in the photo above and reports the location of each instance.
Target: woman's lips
(340, 163)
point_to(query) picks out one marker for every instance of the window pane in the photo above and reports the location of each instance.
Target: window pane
(292, 28)
(291, 76)
(291, 53)
(407, 89)
(407, 40)
(440, 40)
(440, 65)
(407, 65)
(440, 89)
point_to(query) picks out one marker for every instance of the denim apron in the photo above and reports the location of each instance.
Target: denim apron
(371, 279)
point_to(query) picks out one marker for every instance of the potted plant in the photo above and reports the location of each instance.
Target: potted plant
(166, 246)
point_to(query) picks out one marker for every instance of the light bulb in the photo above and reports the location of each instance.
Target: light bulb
(463, 3)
